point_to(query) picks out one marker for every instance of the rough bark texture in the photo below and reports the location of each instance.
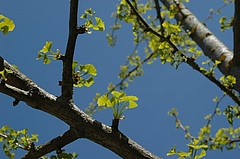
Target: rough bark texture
(67, 83)
(81, 125)
(207, 41)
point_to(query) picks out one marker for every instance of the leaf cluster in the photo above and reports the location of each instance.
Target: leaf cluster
(119, 102)
(88, 16)
(13, 140)
(225, 24)
(47, 54)
(193, 146)
(6, 24)
(83, 70)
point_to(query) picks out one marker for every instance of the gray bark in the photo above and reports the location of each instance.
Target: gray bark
(208, 42)
(81, 125)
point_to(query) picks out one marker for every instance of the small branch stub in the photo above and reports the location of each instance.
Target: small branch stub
(115, 123)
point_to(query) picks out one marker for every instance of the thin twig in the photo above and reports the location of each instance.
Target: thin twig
(161, 20)
(214, 112)
(189, 61)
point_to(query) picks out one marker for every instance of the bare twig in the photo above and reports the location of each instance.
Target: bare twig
(214, 112)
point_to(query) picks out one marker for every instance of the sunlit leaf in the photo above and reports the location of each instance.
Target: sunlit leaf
(132, 104)
(89, 81)
(100, 24)
(102, 101)
(47, 47)
(90, 69)
(118, 94)
(129, 98)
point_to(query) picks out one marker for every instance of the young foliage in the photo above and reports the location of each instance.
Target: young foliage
(6, 24)
(193, 146)
(228, 81)
(4, 73)
(226, 24)
(61, 155)
(96, 24)
(47, 54)
(13, 140)
(211, 67)
(232, 113)
(88, 69)
(119, 102)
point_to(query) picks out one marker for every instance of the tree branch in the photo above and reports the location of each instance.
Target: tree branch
(55, 144)
(207, 41)
(67, 82)
(86, 126)
(236, 34)
(190, 61)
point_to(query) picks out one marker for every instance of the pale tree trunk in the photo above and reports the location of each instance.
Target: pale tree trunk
(209, 43)
(21, 88)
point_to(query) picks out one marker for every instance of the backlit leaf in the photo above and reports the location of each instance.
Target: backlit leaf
(132, 104)
(47, 47)
(102, 101)
(90, 69)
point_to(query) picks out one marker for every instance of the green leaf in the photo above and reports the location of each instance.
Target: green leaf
(118, 94)
(46, 60)
(202, 154)
(132, 104)
(100, 24)
(129, 98)
(6, 24)
(9, 23)
(89, 81)
(102, 101)
(47, 47)
(90, 69)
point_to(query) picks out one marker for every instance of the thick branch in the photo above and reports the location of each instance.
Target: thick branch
(190, 61)
(67, 83)
(236, 31)
(86, 126)
(55, 144)
(209, 43)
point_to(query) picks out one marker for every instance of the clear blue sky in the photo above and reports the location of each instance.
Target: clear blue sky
(160, 88)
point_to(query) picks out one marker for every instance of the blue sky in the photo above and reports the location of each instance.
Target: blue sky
(161, 88)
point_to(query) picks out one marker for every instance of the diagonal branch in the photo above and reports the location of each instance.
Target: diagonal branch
(67, 83)
(55, 144)
(206, 40)
(69, 113)
(190, 61)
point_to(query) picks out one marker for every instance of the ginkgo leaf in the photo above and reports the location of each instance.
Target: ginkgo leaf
(47, 47)
(132, 104)
(118, 94)
(102, 101)
(100, 24)
(129, 98)
(89, 82)
(90, 69)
